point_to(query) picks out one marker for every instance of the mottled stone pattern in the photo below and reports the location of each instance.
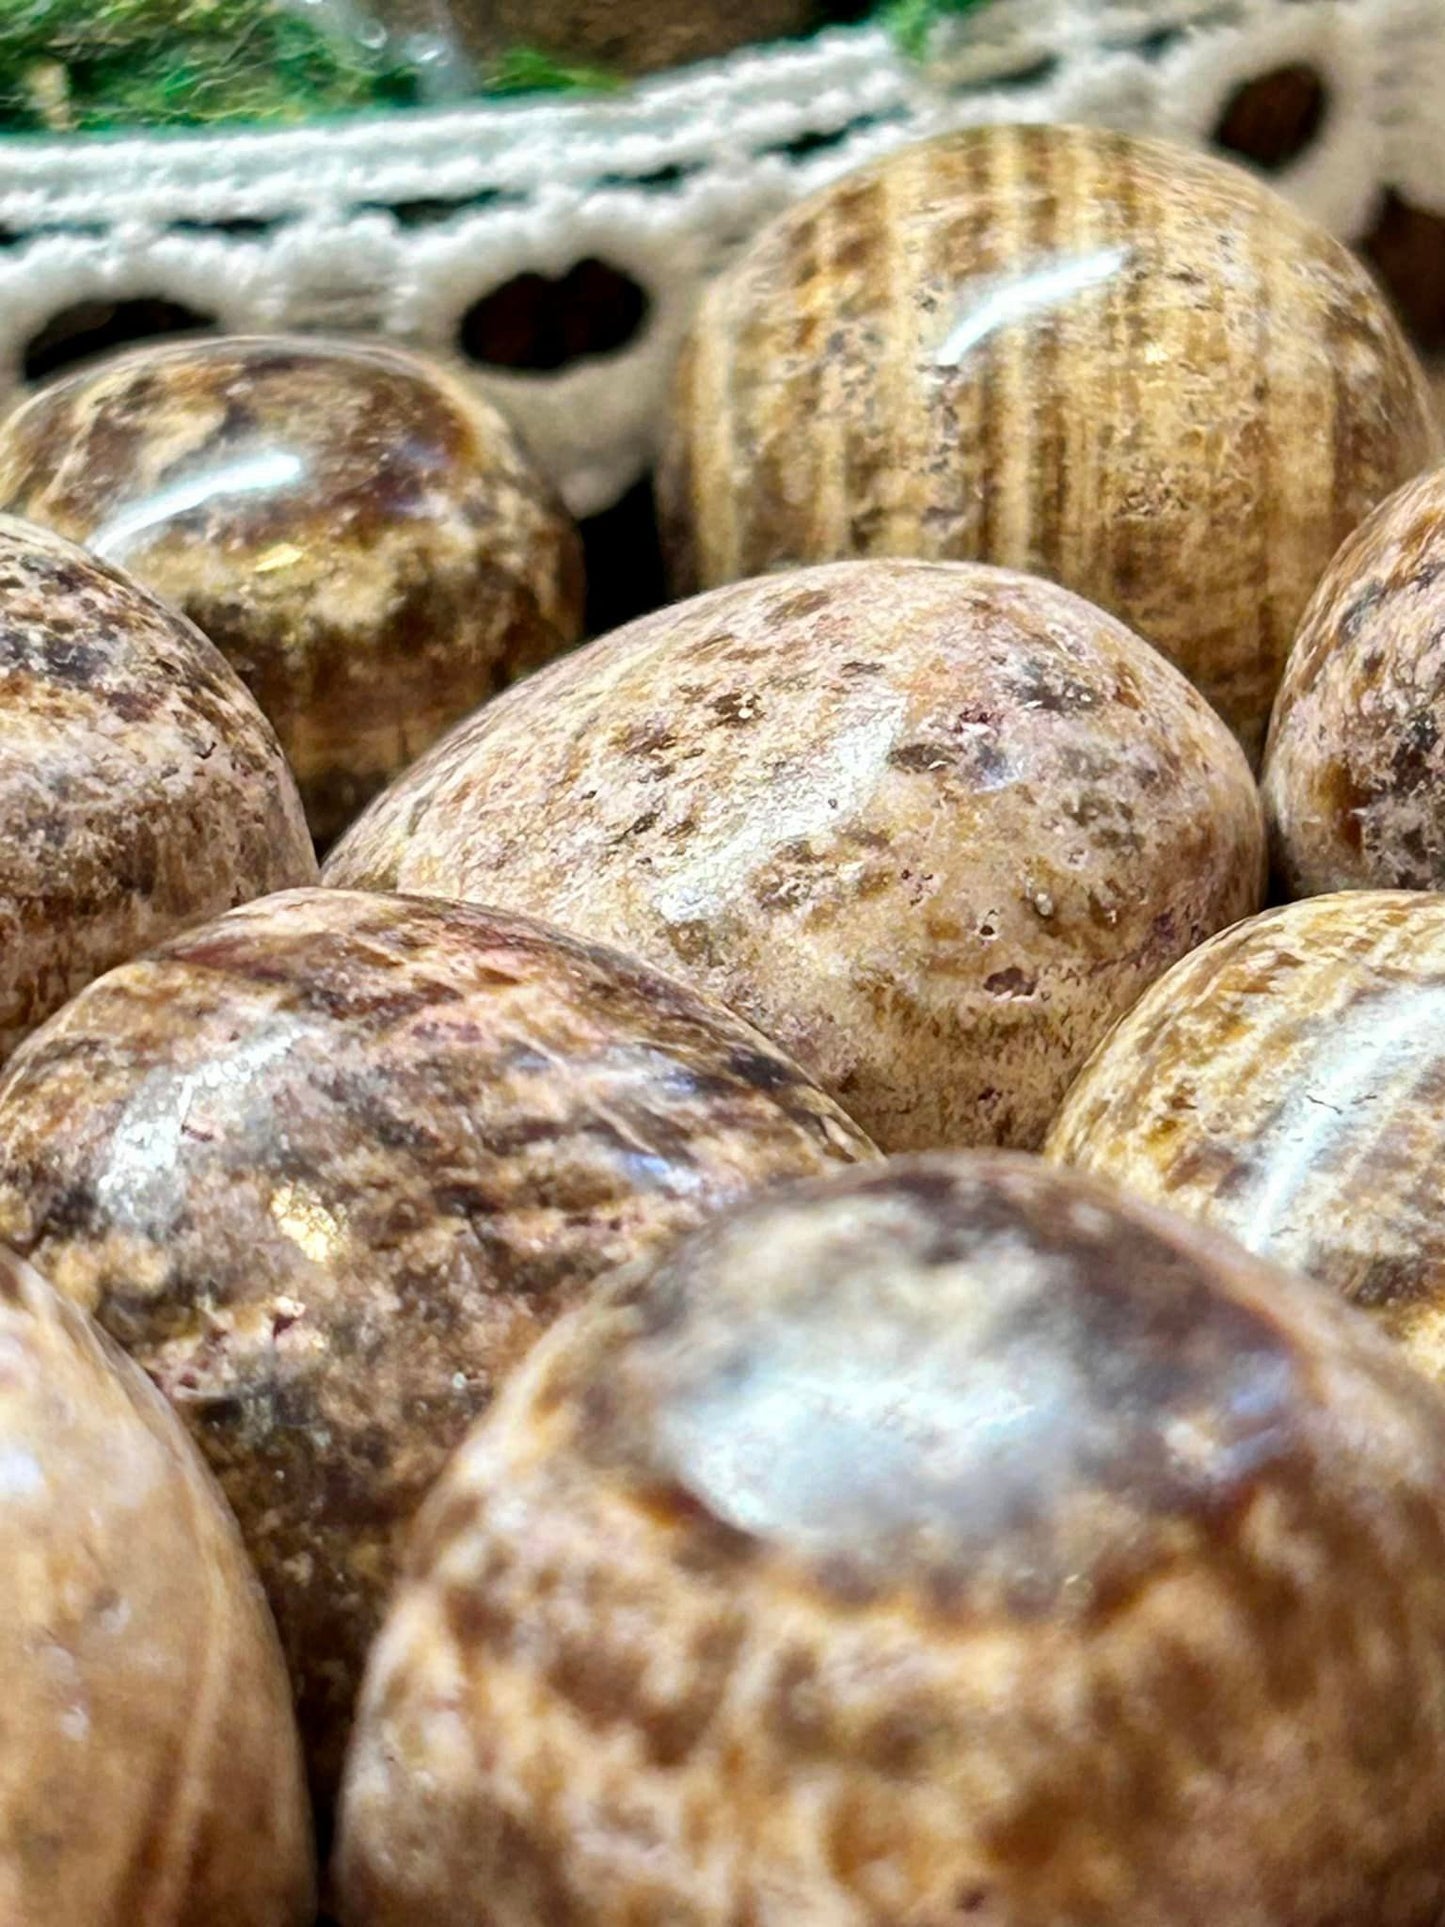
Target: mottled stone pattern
(356, 529)
(951, 1543)
(931, 827)
(327, 1168)
(140, 787)
(1354, 778)
(1286, 1083)
(150, 1774)
(1126, 367)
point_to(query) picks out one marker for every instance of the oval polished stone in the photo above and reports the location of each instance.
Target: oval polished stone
(1286, 1083)
(1111, 362)
(140, 787)
(951, 1541)
(931, 827)
(328, 1166)
(150, 1772)
(1354, 776)
(358, 530)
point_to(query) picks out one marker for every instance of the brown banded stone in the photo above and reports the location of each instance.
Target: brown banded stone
(150, 1771)
(952, 1541)
(1354, 776)
(140, 787)
(328, 1166)
(930, 826)
(357, 529)
(1127, 367)
(1286, 1083)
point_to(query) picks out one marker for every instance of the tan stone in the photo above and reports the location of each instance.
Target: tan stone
(328, 1166)
(1130, 368)
(1354, 777)
(140, 787)
(1286, 1083)
(357, 529)
(932, 827)
(150, 1772)
(950, 1542)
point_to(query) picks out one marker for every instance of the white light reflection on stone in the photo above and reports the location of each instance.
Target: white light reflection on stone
(250, 475)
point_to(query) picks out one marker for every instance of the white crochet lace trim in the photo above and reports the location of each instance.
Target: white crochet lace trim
(666, 181)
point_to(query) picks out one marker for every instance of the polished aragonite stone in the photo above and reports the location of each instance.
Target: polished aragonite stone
(141, 789)
(1127, 367)
(931, 826)
(328, 1166)
(949, 1542)
(1286, 1083)
(354, 527)
(1354, 774)
(150, 1770)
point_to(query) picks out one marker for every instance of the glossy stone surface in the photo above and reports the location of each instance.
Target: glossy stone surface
(930, 827)
(1286, 1083)
(947, 1542)
(1127, 367)
(328, 1166)
(356, 529)
(1354, 778)
(149, 1771)
(140, 787)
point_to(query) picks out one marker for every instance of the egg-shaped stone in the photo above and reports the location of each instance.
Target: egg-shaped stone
(149, 1768)
(955, 1541)
(1130, 368)
(1286, 1083)
(932, 827)
(140, 787)
(327, 1167)
(354, 527)
(1354, 775)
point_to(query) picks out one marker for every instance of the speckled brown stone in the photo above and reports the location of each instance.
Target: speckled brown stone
(932, 827)
(950, 1543)
(327, 1168)
(140, 787)
(1130, 368)
(356, 529)
(1286, 1083)
(1354, 779)
(149, 1769)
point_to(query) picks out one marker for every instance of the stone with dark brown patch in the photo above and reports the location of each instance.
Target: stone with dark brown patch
(626, 36)
(1024, 1555)
(1354, 779)
(355, 528)
(140, 787)
(1127, 367)
(150, 1771)
(327, 1167)
(939, 786)
(1286, 1083)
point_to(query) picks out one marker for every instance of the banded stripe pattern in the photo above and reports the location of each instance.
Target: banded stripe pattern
(1286, 1083)
(1129, 368)
(151, 1771)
